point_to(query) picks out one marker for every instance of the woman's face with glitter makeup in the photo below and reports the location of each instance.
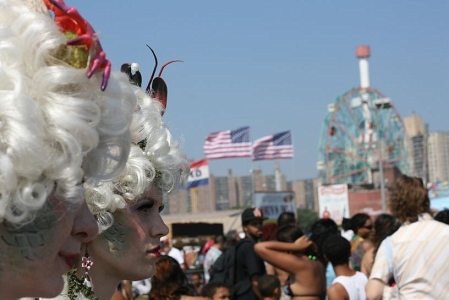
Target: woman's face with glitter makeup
(34, 257)
(130, 247)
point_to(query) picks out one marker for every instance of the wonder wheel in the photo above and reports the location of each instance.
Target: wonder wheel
(361, 127)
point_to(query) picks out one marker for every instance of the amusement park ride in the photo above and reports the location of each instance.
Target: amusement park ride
(362, 133)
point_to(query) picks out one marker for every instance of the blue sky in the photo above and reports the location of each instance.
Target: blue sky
(276, 65)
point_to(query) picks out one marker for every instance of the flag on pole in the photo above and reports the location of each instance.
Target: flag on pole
(199, 173)
(228, 144)
(273, 146)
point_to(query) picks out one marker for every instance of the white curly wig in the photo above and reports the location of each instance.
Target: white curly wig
(56, 125)
(160, 163)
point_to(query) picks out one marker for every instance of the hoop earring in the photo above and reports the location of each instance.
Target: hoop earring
(87, 263)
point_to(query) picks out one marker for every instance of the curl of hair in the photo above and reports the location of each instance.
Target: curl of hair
(162, 157)
(56, 125)
(169, 282)
(409, 199)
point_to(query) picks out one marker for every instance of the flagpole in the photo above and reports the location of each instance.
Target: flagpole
(194, 197)
(210, 197)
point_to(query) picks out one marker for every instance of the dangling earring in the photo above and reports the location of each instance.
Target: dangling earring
(87, 263)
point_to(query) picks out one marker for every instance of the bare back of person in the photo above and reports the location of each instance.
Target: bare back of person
(307, 283)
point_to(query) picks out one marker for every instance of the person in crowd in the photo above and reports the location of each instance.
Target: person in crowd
(170, 282)
(348, 284)
(197, 283)
(128, 208)
(141, 288)
(232, 238)
(346, 231)
(282, 275)
(206, 247)
(362, 225)
(216, 291)
(269, 287)
(443, 216)
(249, 266)
(384, 225)
(174, 252)
(269, 231)
(320, 231)
(416, 254)
(286, 218)
(293, 252)
(212, 254)
(58, 129)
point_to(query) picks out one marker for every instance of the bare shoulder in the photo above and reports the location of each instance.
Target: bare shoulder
(337, 292)
(367, 245)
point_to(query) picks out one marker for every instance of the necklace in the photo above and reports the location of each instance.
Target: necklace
(76, 285)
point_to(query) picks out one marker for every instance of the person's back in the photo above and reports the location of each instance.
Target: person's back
(354, 286)
(349, 284)
(416, 254)
(294, 253)
(212, 255)
(420, 251)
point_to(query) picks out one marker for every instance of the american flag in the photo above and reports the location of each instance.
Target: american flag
(273, 146)
(228, 144)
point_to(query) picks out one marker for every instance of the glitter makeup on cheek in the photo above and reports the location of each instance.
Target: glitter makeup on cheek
(115, 236)
(29, 239)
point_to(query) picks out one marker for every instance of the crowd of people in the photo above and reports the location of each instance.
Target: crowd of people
(333, 263)
(280, 261)
(351, 263)
(86, 159)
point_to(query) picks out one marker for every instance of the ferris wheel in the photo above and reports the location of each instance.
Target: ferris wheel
(361, 127)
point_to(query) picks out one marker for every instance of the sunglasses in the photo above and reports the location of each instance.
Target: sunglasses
(368, 227)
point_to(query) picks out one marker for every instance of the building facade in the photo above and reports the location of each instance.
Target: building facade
(438, 156)
(234, 192)
(417, 131)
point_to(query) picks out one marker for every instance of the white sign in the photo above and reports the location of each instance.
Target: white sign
(275, 203)
(333, 202)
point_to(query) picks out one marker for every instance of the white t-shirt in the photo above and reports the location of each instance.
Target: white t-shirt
(354, 285)
(176, 254)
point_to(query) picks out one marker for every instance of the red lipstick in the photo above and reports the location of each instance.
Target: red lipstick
(155, 251)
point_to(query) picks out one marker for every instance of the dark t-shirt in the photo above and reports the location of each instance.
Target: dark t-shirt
(248, 264)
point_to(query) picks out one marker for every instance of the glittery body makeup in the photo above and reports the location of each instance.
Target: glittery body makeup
(116, 236)
(29, 240)
(45, 249)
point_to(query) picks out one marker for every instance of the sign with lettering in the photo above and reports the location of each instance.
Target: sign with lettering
(272, 204)
(333, 202)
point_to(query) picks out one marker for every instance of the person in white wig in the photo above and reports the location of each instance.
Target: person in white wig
(64, 119)
(128, 208)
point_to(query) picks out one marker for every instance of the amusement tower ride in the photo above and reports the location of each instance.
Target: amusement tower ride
(362, 133)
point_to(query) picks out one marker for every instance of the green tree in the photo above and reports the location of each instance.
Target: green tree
(306, 217)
